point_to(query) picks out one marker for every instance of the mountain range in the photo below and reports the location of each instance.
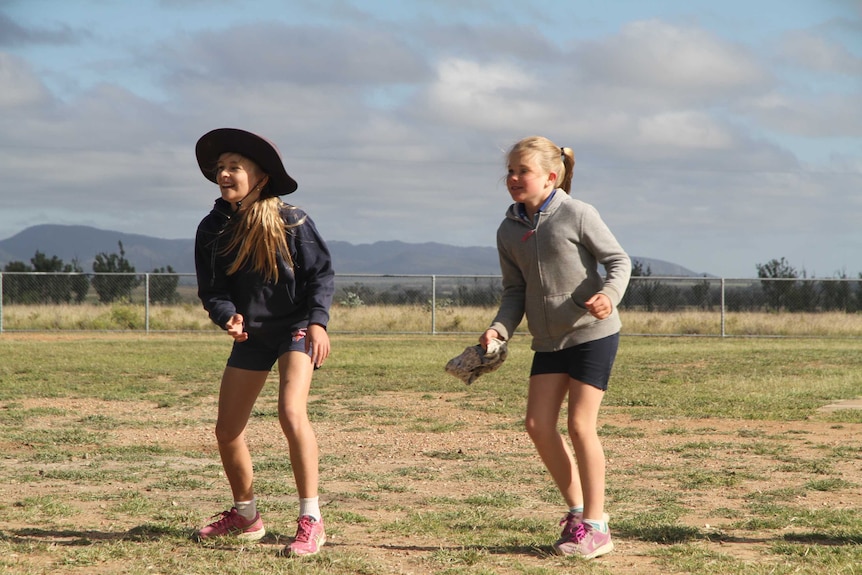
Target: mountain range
(145, 253)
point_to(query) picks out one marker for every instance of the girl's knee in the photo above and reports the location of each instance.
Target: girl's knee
(580, 432)
(292, 420)
(225, 436)
(539, 432)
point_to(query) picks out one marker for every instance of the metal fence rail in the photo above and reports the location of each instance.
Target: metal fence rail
(364, 303)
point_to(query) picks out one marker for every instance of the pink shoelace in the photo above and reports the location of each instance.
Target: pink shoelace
(304, 531)
(580, 532)
(572, 530)
(225, 518)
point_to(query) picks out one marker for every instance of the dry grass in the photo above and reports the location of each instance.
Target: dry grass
(826, 324)
(418, 319)
(721, 459)
(100, 317)
(409, 319)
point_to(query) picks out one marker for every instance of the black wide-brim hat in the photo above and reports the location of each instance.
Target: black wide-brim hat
(256, 148)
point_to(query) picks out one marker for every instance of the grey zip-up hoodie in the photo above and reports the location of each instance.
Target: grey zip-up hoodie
(550, 269)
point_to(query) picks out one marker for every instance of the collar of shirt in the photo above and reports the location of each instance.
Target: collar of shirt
(522, 210)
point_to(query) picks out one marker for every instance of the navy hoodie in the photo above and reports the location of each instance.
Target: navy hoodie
(300, 296)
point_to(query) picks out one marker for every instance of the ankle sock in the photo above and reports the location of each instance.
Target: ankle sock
(310, 506)
(576, 509)
(597, 525)
(246, 509)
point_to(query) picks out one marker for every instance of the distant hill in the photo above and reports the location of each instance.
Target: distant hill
(148, 253)
(84, 243)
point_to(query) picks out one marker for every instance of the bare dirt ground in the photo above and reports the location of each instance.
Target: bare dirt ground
(374, 444)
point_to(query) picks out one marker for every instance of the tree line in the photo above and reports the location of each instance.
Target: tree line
(68, 283)
(778, 288)
(781, 288)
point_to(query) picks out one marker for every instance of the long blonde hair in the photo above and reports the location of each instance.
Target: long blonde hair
(260, 233)
(550, 157)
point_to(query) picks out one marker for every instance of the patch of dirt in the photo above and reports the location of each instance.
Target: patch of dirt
(389, 456)
(844, 404)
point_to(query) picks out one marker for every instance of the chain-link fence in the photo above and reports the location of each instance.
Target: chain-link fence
(430, 304)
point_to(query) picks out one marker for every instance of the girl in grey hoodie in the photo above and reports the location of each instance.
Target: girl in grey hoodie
(550, 245)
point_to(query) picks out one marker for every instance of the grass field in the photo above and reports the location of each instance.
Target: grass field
(725, 456)
(418, 319)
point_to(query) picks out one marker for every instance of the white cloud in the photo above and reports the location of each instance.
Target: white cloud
(657, 61)
(19, 87)
(684, 129)
(484, 96)
(814, 115)
(817, 53)
(687, 138)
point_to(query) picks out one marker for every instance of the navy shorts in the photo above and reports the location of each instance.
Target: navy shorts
(259, 352)
(589, 362)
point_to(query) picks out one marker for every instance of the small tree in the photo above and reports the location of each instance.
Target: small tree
(356, 295)
(80, 284)
(777, 291)
(837, 295)
(804, 295)
(111, 288)
(53, 288)
(700, 295)
(17, 289)
(163, 287)
(642, 292)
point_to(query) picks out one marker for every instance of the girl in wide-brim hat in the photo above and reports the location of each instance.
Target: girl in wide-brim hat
(265, 276)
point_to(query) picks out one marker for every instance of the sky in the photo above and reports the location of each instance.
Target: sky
(713, 135)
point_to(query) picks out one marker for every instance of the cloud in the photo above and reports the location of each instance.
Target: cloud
(12, 34)
(692, 143)
(277, 52)
(683, 130)
(811, 51)
(654, 63)
(19, 87)
(814, 115)
(473, 95)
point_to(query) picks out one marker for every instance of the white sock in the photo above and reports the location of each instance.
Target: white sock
(246, 509)
(310, 506)
(597, 524)
(576, 509)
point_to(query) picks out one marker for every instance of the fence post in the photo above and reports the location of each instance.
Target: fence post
(722, 307)
(1, 302)
(147, 302)
(433, 305)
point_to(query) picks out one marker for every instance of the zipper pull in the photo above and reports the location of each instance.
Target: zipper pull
(528, 234)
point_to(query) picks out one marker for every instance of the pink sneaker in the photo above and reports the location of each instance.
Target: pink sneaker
(584, 541)
(310, 537)
(232, 523)
(571, 521)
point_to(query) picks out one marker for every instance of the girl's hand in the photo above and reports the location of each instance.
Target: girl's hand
(317, 344)
(488, 336)
(235, 327)
(599, 306)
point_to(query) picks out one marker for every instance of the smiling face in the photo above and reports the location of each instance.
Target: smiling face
(527, 182)
(238, 179)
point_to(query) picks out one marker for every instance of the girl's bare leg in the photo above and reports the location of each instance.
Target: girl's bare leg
(295, 372)
(584, 403)
(544, 399)
(239, 391)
